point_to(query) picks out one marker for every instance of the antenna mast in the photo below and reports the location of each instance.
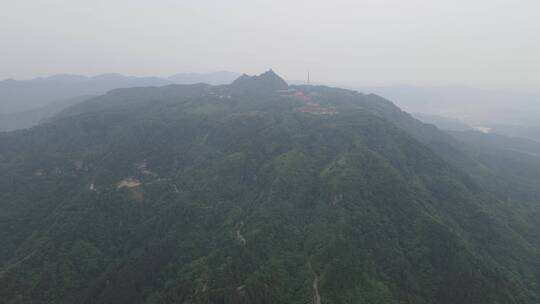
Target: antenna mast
(308, 78)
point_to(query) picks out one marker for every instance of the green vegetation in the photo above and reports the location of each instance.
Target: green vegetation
(243, 199)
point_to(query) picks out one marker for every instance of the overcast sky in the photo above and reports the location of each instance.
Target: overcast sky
(486, 43)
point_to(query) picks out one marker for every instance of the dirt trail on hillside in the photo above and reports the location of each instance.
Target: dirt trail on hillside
(316, 295)
(240, 237)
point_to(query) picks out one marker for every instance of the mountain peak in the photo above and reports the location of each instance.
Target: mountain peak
(268, 80)
(270, 73)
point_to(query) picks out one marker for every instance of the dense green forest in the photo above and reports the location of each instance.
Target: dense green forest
(261, 192)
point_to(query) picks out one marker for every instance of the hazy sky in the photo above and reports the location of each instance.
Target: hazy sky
(488, 43)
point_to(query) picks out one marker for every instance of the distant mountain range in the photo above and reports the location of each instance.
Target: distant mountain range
(24, 103)
(470, 105)
(443, 123)
(530, 132)
(507, 112)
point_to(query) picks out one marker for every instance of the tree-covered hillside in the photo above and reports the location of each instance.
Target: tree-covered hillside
(254, 192)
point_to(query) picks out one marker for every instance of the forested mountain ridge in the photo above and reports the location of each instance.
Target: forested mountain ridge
(254, 192)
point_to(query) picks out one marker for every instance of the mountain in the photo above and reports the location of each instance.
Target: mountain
(29, 118)
(255, 192)
(514, 161)
(475, 107)
(25, 103)
(18, 96)
(266, 82)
